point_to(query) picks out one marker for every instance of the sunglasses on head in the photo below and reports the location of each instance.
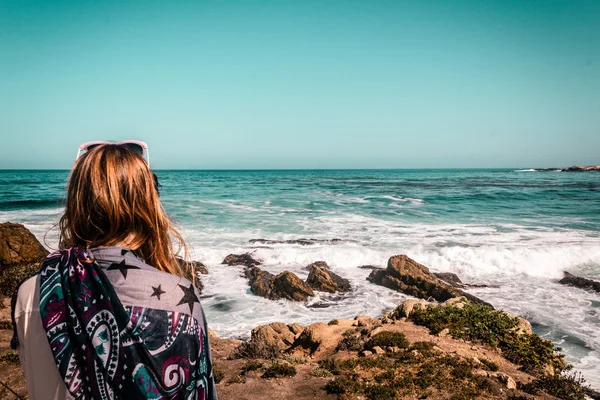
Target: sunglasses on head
(138, 146)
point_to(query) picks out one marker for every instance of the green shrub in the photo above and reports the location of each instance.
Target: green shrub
(568, 386)
(320, 373)
(422, 347)
(11, 357)
(489, 365)
(380, 392)
(251, 366)
(388, 339)
(218, 374)
(11, 276)
(278, 370)
(482, 324)
(344, 385)
(6, 325)
(252, 349)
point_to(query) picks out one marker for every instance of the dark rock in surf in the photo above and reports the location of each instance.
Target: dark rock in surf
(408, 276)
(582, 283)
(320, 264)
(371, 267)
(450, 279)
(197, 265)
(300, 241)
(240, 259)
(320, 278)
(285, 285)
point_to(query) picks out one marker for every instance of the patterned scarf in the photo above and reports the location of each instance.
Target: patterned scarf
(121, 329)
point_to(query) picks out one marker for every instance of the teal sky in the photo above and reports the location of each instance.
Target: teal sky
(303, 84)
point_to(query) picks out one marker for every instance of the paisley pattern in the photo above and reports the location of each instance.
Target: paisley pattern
(106, 350)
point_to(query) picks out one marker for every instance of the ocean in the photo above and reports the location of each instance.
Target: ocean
(513, 230)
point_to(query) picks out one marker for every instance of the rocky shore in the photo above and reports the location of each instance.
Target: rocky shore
(575, 168)
(444, 344)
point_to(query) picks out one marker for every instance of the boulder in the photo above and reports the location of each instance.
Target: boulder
(286, 285)
(320, 278)
(197, 265)
(21, 256)
(408, 276)
(318, 339)
(582, 283)
(240, 259)
(275, 334)
(19, 246)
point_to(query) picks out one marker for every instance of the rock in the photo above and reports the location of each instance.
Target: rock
(292, 287)
(197, 265)
(458, 302)
(444, 333)
(506, 379)
(406, 307)
(300, 241)
(296, 328)
(212, 334)
(378, 350)
(407, 276)
(377, 330)
(449, 278)
(319, 338)
(19, 246)
(320, 264)
(286, 285)
(582, 168)
(394, 349)
(480, 372)
(320, 278)
(240, 259)
(275, 334)
(365, 320)
(524, 326)
(582, 283)
(365, 353)
(21, 256)
(371, 267)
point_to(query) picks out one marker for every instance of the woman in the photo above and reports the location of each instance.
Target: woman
(113, 309)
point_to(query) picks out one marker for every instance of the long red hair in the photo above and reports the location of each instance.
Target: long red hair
(112, 200)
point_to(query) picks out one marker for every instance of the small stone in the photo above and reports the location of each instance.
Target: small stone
(365, 320)
(365, 353)
(378, 350)
(375, 331)
(444, 333)
(438, 349)
(393, 349)
(416, 353)
(506, 379)
(481, 372)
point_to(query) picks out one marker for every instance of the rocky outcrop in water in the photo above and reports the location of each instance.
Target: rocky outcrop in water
(408, 276)
(197, 265)
(21, 255)
(582, 283)
(240, 259)
(575, 168)
(322, 279)
(300, 241)
(285, 285)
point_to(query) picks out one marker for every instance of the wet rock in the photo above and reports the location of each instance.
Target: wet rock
(197, 265)
(371, 267)
(240, 259)
(19, 246)
(285, 285)
(582, 283)
(450, 278)
(407, 276)
(320, 278)
(300, 241)
(320, 264)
